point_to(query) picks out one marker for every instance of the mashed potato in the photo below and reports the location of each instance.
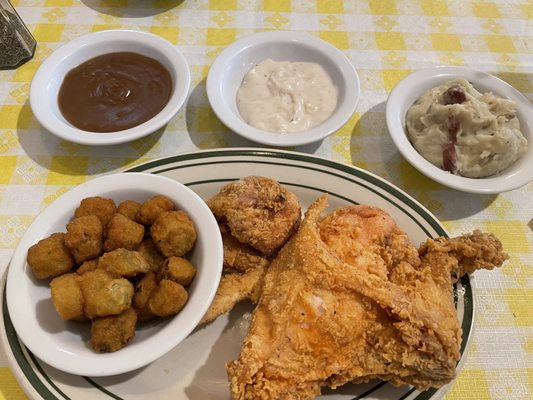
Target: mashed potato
(465, 132)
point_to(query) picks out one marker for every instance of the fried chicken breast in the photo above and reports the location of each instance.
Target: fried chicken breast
(349, 299)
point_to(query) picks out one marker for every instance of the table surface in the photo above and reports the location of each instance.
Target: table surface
(386, 40)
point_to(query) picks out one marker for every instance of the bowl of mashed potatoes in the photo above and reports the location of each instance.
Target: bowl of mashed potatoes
(283, 88)
(463, 128)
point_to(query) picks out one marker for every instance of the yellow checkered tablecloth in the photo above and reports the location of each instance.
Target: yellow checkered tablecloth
(385, 40)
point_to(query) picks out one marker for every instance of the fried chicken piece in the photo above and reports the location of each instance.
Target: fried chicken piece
(234, 288)
(240, 257)
(349, 231)
(256, 217)
(348, 299)
(466, 253)
(242, 277)
(258, 211)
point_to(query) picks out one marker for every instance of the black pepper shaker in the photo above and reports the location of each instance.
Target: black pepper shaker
(17, 45)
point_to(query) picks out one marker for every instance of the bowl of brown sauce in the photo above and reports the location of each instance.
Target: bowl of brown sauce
(110, 87)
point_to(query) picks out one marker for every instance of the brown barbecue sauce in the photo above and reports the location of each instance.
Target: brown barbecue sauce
(114, 91)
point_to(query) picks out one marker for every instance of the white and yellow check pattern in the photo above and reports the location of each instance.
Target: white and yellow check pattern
(385, 40)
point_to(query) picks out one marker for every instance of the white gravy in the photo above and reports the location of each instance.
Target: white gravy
(286, 96)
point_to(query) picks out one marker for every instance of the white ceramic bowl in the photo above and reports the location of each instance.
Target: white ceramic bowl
(64, 345)
(49, 77)
(228, 70)
(413, 86)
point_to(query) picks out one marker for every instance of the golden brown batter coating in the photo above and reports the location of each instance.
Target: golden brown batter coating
(240, 256)
(348, 299)
(152, 208)
(112, 333)
(104, 253)
(143, 290)
(124, 262)
(234, 288)
(129, 208)
(104, 294)
(173, 233)
(102, 207)
(84, 238)
(178, 269)
(150, 252)
(258, 211)
(50, 257)
(167, 299)
(256, 216)
(467, 253)
(67, 297)
(87, 266)
(123, 232)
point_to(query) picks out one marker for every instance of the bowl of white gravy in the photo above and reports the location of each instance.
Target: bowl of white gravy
(283, 88)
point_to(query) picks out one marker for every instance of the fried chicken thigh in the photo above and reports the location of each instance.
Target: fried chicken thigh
(258, 211)
(349, 299)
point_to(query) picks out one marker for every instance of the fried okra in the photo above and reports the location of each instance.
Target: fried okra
(87, 266)
(143, 290)
(50, 257)
(129, 208)
(112, 333)
(84, 238)
(124, 262)
(67, 297)
(173, 233)
(122, 232)
(178, 269)
(116, 266)
(150, 252)
(104, 294)
(167, 299)
(152, 208)
(102, 207)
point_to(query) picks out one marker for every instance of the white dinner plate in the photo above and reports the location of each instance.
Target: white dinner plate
(195, 368)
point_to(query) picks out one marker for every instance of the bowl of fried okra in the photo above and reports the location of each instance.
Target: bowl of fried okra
(114, 274)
